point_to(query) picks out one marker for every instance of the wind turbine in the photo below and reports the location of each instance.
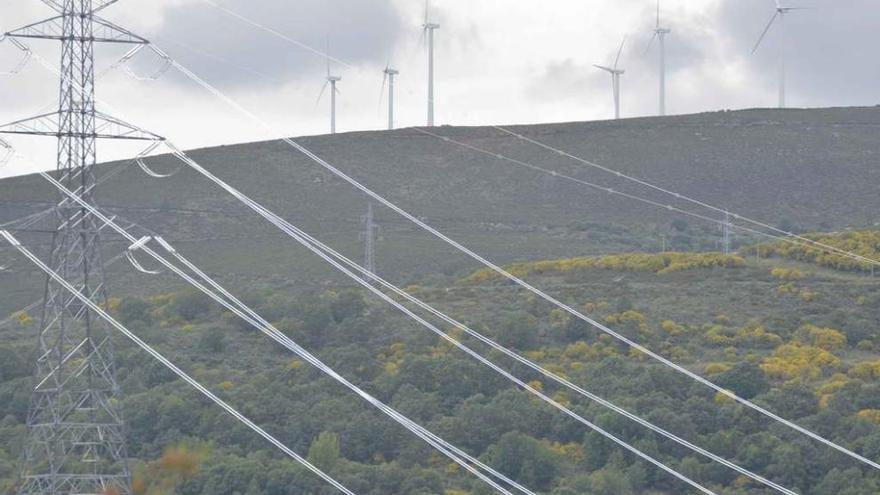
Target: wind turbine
(388, 77)
(428, 29)
(779, 15)
(660, 34)
(615, 79)
(331, 81)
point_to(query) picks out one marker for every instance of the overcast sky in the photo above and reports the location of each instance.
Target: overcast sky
(498, 61)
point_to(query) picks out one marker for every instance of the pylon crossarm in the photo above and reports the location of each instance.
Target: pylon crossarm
(111, 127)
(103, 31)
(106, 127)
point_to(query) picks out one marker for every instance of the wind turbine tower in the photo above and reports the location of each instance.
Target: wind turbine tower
(615, 79)
(428, 29)
(778, 16)
(389, 75)
(331, 81)
(660, 34)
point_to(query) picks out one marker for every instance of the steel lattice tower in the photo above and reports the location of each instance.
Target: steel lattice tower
(75, 439)
(369, 238)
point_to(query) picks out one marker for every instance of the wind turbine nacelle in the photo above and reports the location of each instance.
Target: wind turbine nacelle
(334, 78)
(431, 25)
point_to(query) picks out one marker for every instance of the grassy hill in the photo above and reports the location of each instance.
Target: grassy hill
(804, 169)
(791, 329)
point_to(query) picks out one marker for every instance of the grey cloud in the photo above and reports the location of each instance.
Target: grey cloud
(566, 80)
(829, 48)
(358, 31)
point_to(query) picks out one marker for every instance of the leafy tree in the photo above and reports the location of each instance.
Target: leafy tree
(212, 340)
(324, 451)
(190, 305)
(525, 459)
(134, 309)
(348, 304)
(519, 330)
(745, 380)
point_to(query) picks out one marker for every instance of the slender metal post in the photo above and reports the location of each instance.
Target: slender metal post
(332, 106)
(662, 41)
(431, 76)
(782, 61)
(390, 101)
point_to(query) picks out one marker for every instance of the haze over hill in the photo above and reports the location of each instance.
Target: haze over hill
(804, 169)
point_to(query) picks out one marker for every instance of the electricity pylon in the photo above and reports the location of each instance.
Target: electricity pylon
(75, 441)
(369, 237)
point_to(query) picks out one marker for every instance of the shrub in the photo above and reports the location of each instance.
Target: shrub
(864, 243)
(798, 361)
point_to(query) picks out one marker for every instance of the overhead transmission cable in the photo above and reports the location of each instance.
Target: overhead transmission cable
(504, 273)
(615, 192)
(684, 197)
(263, 326)
(168, 364)
(240, 309)
(439, 444)
(235, 105)
(257, 321)
(364, 278)
(276, 33)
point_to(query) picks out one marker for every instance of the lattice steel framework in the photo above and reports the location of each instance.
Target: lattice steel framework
(75, 440)
(369, 237)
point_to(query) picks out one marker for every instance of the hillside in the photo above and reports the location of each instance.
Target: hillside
(797, 331)
(797, 338)
(803, 169)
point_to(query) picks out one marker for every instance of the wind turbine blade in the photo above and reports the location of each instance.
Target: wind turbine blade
(619, 52)
(602, 67)
(766, 30)
(658, 14)
(427, 11)
(321, 94)
(648, 48)
(382, 93)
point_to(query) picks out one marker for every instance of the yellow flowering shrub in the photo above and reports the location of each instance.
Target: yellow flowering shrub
(798, 361)
(630, 262)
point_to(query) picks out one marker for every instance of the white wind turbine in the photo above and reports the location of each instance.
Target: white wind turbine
(388, 77)
(778, 15)
(428, 29)
(615, 79)
(331, 81)
(660, 34)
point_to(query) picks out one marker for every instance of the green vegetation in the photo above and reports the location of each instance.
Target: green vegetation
(864, 243)
(808, 359)
(661, 263)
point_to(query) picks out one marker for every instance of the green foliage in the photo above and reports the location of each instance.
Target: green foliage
(212, 340)
(134, 309)
(190, 305)
(634, 262)
(797, 360)
(525, 459)
(864, 243)
(520, 331)
(324, 451)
